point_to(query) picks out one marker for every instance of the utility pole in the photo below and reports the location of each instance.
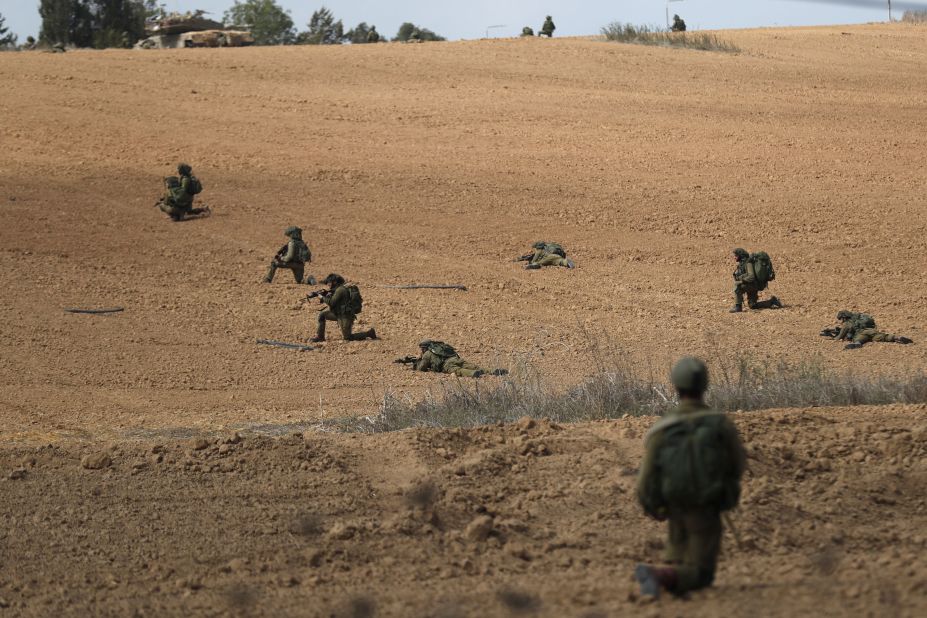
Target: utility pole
(889, 10)
(488, 28)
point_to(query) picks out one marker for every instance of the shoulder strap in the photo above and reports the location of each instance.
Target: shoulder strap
(669, 421)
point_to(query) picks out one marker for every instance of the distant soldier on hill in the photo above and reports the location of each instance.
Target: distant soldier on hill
(177, 202)
(440, 357)
(527, 31)
(548, 28)
(294, 255)
(752, 276)
(373, 36)
(859, 329)
(691, 472)
(546, 254)
(679, 25)
(344, 303)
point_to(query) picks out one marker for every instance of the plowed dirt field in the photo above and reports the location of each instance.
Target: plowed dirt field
(440, 163)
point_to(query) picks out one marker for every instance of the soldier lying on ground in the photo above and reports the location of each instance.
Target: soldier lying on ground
(693, 462)
(294, 255)
(440, 357)
(177, 203)
(545, 254)
(344, 303)
(752, 276)
(859, 329)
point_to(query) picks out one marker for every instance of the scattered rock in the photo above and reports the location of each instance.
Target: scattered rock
(479, 529)
(200, 443)
(525, 423)
(341, 531)
(18, 473)
(97, 461)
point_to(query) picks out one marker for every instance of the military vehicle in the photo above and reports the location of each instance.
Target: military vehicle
(179, 30)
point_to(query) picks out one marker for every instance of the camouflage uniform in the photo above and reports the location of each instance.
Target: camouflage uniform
(339, 310)
(540, 256)
(373, 36)
(859, 328)
(694, 534)
(433, 360)
(177, 203)
(679, 25)
(527, 31)
(548, 28)
(745, 278)
(290, 256)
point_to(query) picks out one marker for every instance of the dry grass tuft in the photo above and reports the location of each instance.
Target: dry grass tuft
(648, 35)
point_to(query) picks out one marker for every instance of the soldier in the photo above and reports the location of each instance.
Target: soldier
(860, 329)
(527, 31)
(545, 254)
(344, 303)
(293, 255)
(691, 473)
(373, 36)
(747, 282)
(440, 357)
(548, 28)
(679, 25)
(177, 203)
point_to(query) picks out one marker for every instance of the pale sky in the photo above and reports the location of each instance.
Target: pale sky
(468, 19)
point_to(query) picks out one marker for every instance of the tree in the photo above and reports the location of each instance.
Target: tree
(408, 30)
(96, 23)
(358, 34)
(7, 38)
(268, 22)
(323, 29)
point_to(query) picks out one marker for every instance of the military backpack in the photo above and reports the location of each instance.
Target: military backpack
(555, 248)
(763, 268)
(442, 350)
(863, 320)
(305, 255)
(355, 300)
(194, 186)
(695, 464)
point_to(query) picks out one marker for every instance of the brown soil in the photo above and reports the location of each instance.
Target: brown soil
(438, 164)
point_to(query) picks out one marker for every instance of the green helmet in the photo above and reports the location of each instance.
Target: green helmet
(741, 253)
(539, 245)
(690, 374)
(333, 278)
(184, 170)
(292, 231)
(425, 344)
(844, 315)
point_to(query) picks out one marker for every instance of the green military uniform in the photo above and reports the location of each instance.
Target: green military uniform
(292, 255)
(694, 532)
(340, 310)
(548, 28)
(860, 329)
(679, 25)
(527, 31)
(177, 203)
(373, 36)
(439, 357)
(545, 254)
(746, 285)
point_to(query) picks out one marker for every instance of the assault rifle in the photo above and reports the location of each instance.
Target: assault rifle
(830, 332)
(320, 294)
(525, 258)
(407, 360)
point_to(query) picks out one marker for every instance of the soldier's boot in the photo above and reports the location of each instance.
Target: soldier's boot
(479, 373)
(320, 331)
(532, 266)
(653, 579)
(905, 340)
(775, 303)
(772, 303)
(370, 334)
(570, 264)
(853, 346)
(310, 280)
(500, 372)
(737, 308)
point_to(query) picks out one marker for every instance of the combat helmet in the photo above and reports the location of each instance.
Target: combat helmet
(844, 315)
(184, 169)
(539, 245)
(425, 344)
(293, 231)
(741, 254)
(689, 374)
(333, 278)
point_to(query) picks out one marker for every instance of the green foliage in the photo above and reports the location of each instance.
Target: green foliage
(94, 23)
(408, 31)
(915, 17)
(268, 22)
(646, 35)
(358, 34)
(323, 30)
(7, 38)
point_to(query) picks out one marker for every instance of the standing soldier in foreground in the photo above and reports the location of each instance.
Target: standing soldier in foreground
(293, 255)
(545, 254)
(548, 28)
(752, 276)
(344, 303)
(440, 357)
(860, 329)
(177, 203)
(691, 472)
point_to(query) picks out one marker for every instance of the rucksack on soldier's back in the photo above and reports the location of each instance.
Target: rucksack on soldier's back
(305, 255)
(355, 300)
(695, 464)
(763, 268)
(555, 248)
(441, 349)
(195, 186)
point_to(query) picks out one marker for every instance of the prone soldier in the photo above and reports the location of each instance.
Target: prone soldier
(440, 357)
(859, 329)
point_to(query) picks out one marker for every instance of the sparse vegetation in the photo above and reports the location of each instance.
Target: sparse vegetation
(409, 31)
(268, 22)
(323, 29)
(618, 388)
(7, 38)
(647, 35)
(915, 17)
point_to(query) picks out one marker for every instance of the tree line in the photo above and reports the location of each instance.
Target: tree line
(121, 23)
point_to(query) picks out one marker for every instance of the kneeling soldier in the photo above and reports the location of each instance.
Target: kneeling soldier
(344, 303)
(293, 255)
(440, 357)
(691, 472)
